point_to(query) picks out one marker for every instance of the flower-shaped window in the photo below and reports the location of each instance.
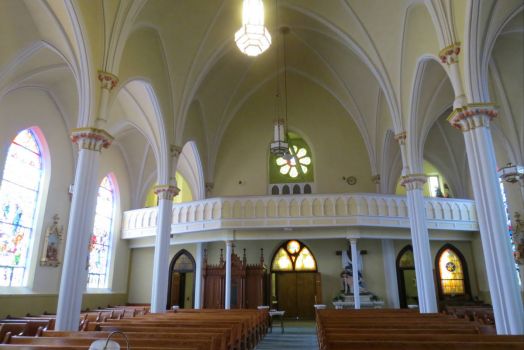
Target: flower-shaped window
(296, 166)
(295, 163)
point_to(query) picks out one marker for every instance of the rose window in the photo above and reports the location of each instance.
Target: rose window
(295, 163)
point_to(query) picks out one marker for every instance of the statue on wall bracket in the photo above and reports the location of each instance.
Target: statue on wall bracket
(51, 249)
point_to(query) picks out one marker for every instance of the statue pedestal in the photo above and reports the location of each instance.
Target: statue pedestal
(365, 302)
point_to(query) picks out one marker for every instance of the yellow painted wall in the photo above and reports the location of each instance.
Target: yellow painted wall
(429, 169)
(185, 194)
(337, 147)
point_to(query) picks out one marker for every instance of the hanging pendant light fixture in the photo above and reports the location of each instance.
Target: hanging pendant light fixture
(280, 147)
(253, 37)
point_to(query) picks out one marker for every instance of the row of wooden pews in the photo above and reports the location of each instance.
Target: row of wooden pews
(390, 329)
(30, 325)
(482, 314)
(181, 329)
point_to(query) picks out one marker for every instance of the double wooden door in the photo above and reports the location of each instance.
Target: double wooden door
(296, 292)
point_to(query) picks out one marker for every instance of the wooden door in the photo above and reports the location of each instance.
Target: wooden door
(287, 293)
(175, 289)
(306, 286)
(296, 293)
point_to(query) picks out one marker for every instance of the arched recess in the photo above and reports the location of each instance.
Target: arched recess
(136, 122)
(181, 285)
(190, 166)
(391, 163)
(431, 95)
(452, 274)
(407, 279)
(295, 282)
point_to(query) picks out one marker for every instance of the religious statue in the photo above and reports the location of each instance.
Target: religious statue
(347, 274)
(53, 236)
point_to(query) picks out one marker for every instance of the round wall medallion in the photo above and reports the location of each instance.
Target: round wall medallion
(351, 180)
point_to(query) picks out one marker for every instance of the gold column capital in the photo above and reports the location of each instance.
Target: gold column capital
(413, 181)
(472, 116)
(107, 80)
(449, 54)
(166, 191)
(91, 138)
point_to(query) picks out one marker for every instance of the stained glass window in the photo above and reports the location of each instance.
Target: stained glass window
(293, 256)
(100, 244)
(296, 162)
(451, 273)
(295, 167)
(18, 202)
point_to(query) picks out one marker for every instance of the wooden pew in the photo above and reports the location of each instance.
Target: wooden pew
(219, 340)
(395, 329)
(200, 344)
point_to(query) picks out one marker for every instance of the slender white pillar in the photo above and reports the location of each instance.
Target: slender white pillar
(420, 238)
(199, 257)
(81, 220)
(474, 121)
(165, 194)
(356, 267)
(390, 271)
(227, 301)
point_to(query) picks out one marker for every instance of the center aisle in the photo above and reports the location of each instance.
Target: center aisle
(298, 335)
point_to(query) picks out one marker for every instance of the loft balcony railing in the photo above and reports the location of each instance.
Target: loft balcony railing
(295, 211)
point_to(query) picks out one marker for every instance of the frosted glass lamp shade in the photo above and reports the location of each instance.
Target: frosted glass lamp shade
(253, 38)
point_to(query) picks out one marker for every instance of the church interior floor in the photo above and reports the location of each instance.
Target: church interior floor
(297, 335)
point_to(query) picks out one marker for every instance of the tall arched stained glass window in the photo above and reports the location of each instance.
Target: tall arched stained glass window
(18, 202)
(100, 244)
(451, 270)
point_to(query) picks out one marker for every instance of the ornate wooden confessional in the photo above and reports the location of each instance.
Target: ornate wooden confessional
(248, 282)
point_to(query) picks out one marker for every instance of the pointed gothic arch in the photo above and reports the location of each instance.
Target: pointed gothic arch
(452, 274)
(406, 277)
(180, 267)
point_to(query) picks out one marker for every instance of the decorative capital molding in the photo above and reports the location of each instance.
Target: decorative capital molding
(474, 115)
(175, 151)
(413, 181)
(449, 55)
(92, 139)
(401, 137)
(166, 191)
(376, 179)
(108, 81)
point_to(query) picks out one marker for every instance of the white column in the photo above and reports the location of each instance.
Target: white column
(160, 281)
(227, 301)
(500, 267)
(81, 219)
(199, 257)
(420, 238)
(390, 271)
(356, 284)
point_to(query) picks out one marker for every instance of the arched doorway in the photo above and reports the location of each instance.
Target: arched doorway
(407, 279)
(295, 282)
(452, 274)
(181, 289)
